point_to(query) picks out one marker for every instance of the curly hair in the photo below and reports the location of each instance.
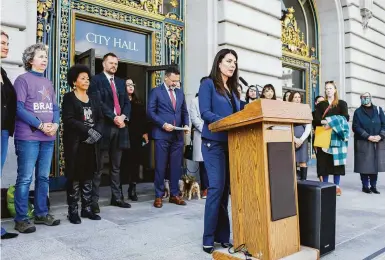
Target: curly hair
(74, 71)
(29, 54)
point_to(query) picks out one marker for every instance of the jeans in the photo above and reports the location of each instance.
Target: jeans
(32, 155)
(216, 218)
(4, 151)
(337, 179)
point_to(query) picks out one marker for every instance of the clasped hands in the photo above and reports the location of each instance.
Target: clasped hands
(119, 121)
(374, 138)
(49, 129)
(325, 124)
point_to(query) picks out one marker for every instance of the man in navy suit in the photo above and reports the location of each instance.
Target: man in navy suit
(167, 110)
(116, 108)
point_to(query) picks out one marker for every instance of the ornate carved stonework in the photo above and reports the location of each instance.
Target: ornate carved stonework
(45, 10)
(174, 42)
(314, 75)
(151, 6)
(292, 38)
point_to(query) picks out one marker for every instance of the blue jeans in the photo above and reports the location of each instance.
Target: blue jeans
(337, 179)
(4, 151)
(216, 219)
(32, 155)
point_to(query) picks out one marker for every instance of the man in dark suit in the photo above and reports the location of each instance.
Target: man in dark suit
(116, 109)
(167, 110)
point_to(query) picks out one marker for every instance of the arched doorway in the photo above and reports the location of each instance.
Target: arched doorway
(300, 47)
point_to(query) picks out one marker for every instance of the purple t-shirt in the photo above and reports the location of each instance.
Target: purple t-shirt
(39, 97)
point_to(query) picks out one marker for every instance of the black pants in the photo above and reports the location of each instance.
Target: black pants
(76, 190)
(115, 154)
(131, 161)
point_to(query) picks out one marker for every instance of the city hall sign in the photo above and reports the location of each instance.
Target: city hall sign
(127, 45)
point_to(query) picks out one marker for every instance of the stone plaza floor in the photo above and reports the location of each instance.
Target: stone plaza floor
(175, 232)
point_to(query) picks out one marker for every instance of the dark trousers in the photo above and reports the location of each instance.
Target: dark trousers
(168, 153)
(115, 154)
(216, 219)
(77, 190)
(366, 178)
(203, 176)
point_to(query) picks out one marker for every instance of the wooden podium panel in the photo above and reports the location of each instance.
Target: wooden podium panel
(254, 186)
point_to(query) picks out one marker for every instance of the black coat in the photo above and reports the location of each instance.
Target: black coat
(369, 157)
(341, 109)
(100, 83)
(74, 130)
(9, 110)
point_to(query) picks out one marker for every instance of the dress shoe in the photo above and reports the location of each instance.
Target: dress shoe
(366, 190)
(208, 249)
(9, 235)
(338, 191)
(95, 208)
(204, 194)
(374, 190)
(121, 204)
(158, 203)
(177, 200)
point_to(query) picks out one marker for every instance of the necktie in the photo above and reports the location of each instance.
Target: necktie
(115, 96)
(173, 101)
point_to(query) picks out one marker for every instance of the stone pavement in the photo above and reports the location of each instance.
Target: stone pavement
(175, 232)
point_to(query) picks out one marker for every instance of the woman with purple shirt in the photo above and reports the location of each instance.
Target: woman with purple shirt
(37, 120)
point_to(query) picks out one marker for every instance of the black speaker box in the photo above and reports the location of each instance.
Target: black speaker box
(317, 215)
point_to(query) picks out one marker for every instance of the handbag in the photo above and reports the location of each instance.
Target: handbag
(188, 150)
(323, 136)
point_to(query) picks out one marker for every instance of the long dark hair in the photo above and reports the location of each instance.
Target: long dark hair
(247, 98)
(134, 97)
(267, 87)
(284, 95)
(291, 97)
(216, 74)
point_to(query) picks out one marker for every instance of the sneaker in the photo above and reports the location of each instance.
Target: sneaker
(338, 191)
(48, 220)
(25, 227)
(204, 194)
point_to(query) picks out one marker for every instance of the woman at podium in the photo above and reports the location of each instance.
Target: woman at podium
(218, 98)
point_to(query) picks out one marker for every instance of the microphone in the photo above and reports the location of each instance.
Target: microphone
(243, 81)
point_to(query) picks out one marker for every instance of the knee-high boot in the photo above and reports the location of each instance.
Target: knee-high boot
(303, 171)
(132, 192)
(73, 190)
(86, 201)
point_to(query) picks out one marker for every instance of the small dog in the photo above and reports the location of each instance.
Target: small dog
(194, 190)
(181, 188)
(166, 189)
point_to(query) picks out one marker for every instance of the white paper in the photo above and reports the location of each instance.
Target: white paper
(180, 128)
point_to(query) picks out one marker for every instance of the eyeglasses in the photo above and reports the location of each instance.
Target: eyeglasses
(329, 82)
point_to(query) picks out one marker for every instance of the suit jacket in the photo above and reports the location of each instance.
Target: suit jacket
(74, 130)
(213, 107)
(10, 111)
(161, 111)
(100, 83)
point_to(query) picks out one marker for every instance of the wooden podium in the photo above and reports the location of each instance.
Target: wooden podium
(263, 179)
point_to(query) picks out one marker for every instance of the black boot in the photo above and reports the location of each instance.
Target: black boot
(298, 174)
(374, 190)
(73, 190)
(132, 192)
(303, 171)
(86, 202)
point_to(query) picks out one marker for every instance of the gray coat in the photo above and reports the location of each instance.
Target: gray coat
(369, 157)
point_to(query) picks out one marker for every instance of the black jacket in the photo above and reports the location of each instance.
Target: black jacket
(74, 130)
(100, 83)
(8, 112)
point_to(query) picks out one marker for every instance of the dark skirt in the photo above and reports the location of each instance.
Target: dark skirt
(325, 164)
(301, 154)
(85, 164)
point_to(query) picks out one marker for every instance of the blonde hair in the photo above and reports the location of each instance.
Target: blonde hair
(336, 99)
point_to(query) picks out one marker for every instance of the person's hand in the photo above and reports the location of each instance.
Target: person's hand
(324, 122)
(145, 137)
(46, 128)
(52, 130)
(168, 127)
(378, 138)
(327, 126)
(187, 131)
(373, 139)
(119, 121)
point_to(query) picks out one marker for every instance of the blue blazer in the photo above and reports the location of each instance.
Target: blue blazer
(160, 111)
(100, 84)
(213, 107)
